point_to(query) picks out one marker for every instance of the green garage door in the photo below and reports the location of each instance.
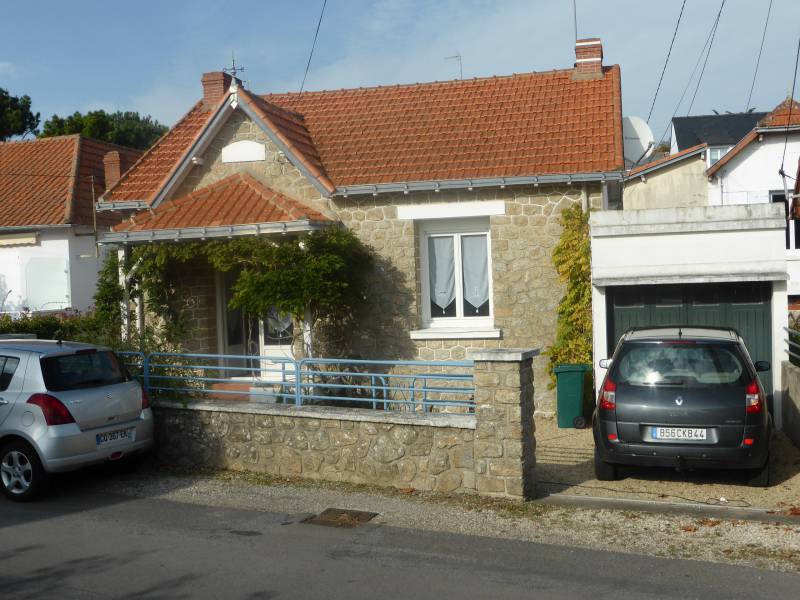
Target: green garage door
(743, 306)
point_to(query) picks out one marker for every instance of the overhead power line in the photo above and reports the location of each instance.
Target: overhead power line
(708, 53)
(791, 105)
(313, 45)
(688, 83)
(664, 70)
(758, 60)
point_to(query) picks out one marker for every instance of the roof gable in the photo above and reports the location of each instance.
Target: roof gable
(668, 160)
(714, 130)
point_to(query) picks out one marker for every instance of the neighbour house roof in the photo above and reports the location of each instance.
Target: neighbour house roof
(668, 160)
(520, 125)
(714, 130)
(49, 181)
(777, 120)
(238, 199)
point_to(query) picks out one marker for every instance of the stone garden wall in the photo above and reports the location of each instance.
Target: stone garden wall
(490, 452)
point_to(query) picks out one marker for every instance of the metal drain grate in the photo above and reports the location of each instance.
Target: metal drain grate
(341, 517)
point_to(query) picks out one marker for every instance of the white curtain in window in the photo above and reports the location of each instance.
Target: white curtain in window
(441, 266)
(476, 269)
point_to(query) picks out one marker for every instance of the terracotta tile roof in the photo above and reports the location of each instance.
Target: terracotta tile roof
(527, 124)
(143, 180)
(48, 181)
(668, 159)
(236, 200)
(778, 118)
(291, 129)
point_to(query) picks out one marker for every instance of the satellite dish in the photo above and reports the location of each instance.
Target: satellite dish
(637, 138)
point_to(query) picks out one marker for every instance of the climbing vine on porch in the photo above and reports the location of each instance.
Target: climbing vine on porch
(572, 260)
(320, 278)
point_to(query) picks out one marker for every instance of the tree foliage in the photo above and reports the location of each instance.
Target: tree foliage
(572, 260)
(319, 278)
(123, 128)
(16, 117)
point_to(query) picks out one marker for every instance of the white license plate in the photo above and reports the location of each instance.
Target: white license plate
(110, 437)
(678, 433)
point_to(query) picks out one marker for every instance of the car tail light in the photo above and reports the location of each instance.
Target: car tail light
(608, 397)
(748, 441)
(754, 400)
(55, 413)
(145, 400)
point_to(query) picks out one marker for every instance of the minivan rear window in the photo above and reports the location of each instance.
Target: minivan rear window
(679, 363)
(83, 370)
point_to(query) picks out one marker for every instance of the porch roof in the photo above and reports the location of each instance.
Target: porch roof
(234, 206)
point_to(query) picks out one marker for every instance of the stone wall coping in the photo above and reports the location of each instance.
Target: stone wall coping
(504, 354)
(458, 421)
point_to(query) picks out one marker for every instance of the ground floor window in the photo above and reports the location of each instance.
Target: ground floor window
(456, 273)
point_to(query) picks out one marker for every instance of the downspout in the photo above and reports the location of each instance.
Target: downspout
(585, 198)
(125, 281)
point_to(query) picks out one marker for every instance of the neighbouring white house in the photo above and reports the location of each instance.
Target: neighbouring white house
(48, 226)
(705, 241)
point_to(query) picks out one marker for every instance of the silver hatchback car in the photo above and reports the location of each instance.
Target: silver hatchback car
(63, 406)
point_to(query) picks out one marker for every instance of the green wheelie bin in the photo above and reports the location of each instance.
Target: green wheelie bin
(571, 387)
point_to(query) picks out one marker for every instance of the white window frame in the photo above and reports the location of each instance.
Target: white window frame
(455, 229)
(723, 151)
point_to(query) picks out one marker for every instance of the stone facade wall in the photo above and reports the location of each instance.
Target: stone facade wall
(491, 452)
(196, 296)
(526, 290)
(790, 402)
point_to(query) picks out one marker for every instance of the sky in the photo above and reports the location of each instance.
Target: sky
(148, 56)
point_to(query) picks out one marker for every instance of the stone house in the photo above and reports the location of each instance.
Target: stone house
(456, 186)
(48, 228)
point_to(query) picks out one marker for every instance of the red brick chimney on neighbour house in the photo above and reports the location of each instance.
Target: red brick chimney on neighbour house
(115, 163)
(588, 59)
(215, 86)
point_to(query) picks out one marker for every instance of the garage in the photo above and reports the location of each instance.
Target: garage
(744, 306)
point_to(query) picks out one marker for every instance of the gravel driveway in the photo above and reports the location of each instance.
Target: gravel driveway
(564, 465)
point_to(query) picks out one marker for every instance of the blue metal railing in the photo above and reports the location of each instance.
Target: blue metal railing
(378, 384)
(793, 345)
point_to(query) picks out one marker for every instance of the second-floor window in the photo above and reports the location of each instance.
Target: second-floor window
(717, 152)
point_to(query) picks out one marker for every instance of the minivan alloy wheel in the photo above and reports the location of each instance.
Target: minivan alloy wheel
(16, 472)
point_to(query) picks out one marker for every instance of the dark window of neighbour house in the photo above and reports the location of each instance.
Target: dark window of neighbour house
(8, 365)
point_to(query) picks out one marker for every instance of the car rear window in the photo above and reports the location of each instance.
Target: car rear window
(679, 363)
(83, 370)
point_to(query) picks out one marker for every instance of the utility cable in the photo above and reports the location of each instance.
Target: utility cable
(313, 45)
(664, 70)
(705, 62)
(688, 84)
(791, 105)
(758, 60)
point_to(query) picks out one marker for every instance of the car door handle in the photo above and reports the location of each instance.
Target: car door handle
(3, 401)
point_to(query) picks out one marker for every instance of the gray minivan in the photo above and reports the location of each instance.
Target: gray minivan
(682, 397)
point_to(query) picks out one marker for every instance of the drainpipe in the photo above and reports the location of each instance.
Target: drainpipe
(307, 347)
(585, 198)
(125, 281)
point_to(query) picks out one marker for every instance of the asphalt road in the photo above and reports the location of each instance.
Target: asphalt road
(87, 544)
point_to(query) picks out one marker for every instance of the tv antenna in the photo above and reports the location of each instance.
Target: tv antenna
(457, 56)
(233, 70)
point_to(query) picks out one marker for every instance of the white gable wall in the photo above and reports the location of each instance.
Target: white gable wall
(749, 177)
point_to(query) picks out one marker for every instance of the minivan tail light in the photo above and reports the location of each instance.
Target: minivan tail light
(608, 397)
(55, 413)
(754, 400)
(145, 400)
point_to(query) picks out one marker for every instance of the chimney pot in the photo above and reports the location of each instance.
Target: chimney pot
(588, 59)
(112, 168)
(215, 85)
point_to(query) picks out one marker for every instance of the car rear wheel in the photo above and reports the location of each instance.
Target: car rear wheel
(604, 471)
(21, 472)
(759, 477)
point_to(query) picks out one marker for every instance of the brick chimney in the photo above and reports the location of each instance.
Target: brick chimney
(215, 86)
(112, 167)
(588, 59)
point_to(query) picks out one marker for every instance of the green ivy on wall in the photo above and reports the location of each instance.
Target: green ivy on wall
(572, 260)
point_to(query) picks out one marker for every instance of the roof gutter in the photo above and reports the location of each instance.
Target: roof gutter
(469, 184)
(204, 233)
(20, 228)
(779, 129)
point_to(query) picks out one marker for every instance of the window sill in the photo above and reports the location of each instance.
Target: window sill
(455, 333)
